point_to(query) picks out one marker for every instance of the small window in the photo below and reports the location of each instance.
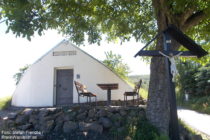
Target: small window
(78, 76)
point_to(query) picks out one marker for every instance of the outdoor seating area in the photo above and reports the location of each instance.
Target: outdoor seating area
(83, 92)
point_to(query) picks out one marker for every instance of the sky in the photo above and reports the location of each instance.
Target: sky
(17, 52)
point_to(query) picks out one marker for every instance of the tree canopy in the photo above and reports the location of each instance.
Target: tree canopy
(78, 18)
(89, 19)
(115, 18)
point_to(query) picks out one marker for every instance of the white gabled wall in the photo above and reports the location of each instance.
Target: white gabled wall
(36, 86)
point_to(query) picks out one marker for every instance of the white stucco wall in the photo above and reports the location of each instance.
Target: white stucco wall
(36, 88)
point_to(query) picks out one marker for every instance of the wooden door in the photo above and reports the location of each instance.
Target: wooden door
(64, 87)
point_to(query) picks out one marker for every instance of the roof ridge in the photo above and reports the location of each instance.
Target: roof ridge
(57, 45)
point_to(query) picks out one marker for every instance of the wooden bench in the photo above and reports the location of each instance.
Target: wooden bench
(133, 93)
(82, 91)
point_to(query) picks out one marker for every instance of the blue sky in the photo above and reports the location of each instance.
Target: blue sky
(17, 52)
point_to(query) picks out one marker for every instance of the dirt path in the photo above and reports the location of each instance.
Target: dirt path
(199, 121)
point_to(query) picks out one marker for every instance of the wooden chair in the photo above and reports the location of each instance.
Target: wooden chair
(133, 93)
(82, 91)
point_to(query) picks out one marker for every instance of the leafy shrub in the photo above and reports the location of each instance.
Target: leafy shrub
(137, 128)
(17, 76)
(193, 78)
(146, 131)
(202, 78)
(5, 103)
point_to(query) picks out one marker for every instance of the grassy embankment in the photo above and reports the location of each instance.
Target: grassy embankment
(5, 102)
(199, 104)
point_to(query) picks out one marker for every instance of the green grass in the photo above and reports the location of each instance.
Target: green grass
(143, 93)
(200, 104)
(5, 102)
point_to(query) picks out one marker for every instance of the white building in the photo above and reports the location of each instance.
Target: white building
(50, 79)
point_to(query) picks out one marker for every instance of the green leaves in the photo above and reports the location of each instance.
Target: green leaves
(23, 17)
(194, 78)
(115, 63)
(19, 74)
(202, 78)
(117, 19)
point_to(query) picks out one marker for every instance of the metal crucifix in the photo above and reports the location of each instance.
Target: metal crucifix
(169, 54)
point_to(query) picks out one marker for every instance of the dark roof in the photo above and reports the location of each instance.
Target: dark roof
(184, 40)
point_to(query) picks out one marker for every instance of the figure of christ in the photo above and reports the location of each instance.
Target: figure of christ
(171, 57)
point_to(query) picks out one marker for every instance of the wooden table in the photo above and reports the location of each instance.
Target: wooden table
(108, 87)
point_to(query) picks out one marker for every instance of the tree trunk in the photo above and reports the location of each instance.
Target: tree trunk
(158, 109)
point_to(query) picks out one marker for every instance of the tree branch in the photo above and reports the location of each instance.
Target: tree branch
(193, 20)
(160, 12)
(185, 15)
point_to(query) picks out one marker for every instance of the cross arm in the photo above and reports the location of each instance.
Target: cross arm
(184, 40)
(157, 54)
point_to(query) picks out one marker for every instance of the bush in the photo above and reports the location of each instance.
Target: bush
(146, 131)
(17, 76)
(202, 78)
(137, 128)
(193, 78)
(5, 103)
